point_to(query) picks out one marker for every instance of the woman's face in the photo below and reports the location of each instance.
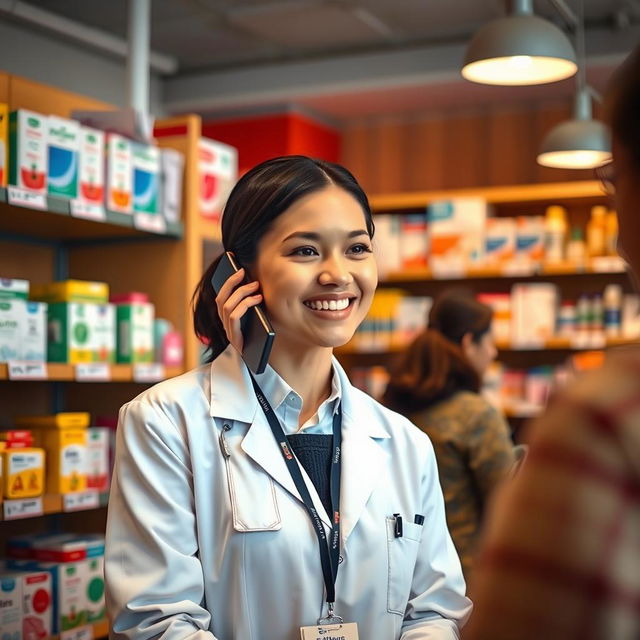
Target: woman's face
(480, 354)
(316, 270)
(627, 201)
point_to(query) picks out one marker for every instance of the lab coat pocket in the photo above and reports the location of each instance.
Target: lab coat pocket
(254, 503)
(402, 555)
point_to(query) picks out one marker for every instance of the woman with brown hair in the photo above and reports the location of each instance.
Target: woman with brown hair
(436, 384)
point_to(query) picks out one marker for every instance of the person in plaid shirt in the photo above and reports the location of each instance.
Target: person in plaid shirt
(561, 553)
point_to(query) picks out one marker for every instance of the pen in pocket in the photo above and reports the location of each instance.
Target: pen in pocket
(418, 519)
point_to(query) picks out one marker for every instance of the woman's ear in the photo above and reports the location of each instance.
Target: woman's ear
(467, 343)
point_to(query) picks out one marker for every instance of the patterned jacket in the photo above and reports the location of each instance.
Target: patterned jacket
(474, 452)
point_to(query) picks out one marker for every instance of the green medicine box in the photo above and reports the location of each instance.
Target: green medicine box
(81, 332)
(135, 332)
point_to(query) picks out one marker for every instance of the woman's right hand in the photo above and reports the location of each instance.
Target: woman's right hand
(233, 301)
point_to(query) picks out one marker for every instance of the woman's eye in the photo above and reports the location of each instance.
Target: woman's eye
(360, 248)
(304, 252)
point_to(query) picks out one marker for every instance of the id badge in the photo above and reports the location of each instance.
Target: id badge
(341, 631)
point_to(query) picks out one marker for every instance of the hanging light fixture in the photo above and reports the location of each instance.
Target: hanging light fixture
(581, 143)
(520, 49)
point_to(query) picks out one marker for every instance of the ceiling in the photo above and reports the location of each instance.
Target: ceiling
(225, 43)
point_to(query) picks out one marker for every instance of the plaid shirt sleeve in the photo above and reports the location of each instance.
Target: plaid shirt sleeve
(561, 552)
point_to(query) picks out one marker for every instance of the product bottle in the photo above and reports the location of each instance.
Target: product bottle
(576, 248)
(613, 310)
(555, 224)
(583, 314)
(611, 233)
(567, 320)
(596, 231)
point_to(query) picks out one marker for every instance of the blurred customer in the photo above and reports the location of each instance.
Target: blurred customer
(436, 383)
(561, 558)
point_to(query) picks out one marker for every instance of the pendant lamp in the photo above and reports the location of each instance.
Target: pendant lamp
(580, 143)
(520, 49)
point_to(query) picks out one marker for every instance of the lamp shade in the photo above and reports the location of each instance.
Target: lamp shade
(519, 50)
(576, 144)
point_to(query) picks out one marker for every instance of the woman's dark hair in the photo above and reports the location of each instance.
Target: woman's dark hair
(434, 366)
(257, 199)
(622, 105)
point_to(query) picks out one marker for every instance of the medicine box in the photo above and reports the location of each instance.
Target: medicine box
(80, 332)
(71, 291)
(11, 322)
(11, 609)
(28, 150)
(23, 472)
(37, 601)
(172, 171)
(98, 458)
(66, 459)
(387, 242)
(4, 143)
(33, 342)
(91, 166)
(119, 174)
(96, 609)
(533, 313)
(456, 233)
(63, 141)
(135, 332)
(218, 171)
(146, 178)
(68, 582)
(500, 241)
(413, 249)
(14, 289)
(530, 239)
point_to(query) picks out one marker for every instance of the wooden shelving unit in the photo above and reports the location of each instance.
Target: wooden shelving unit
(56, 372)
(42, 245)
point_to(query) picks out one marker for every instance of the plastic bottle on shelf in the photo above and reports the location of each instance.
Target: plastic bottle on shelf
(596, 231)
(583, 316)
(611, 233)
(555, 225)
(576, 248)
(613, 310)
(567, 320)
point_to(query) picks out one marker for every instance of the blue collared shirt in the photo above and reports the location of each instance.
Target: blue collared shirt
(287, 404)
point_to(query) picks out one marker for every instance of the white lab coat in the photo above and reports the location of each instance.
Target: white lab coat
(208, 539)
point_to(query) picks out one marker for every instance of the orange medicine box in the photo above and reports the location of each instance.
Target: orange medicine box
(4, 144)
(23, 473)
(66, 459)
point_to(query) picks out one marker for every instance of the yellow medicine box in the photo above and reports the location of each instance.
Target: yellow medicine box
(66, 459)
(71, 291)
(23, 473)
(68, 420)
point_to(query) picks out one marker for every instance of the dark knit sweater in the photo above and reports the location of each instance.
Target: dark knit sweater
(314, 454)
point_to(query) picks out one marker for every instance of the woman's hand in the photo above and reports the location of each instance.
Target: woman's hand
(233, 301)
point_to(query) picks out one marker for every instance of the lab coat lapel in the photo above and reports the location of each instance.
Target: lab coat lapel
(362, 456)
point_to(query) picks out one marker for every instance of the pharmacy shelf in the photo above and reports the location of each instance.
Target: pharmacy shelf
(97, 630)
(50, 503)
(55, 372)
(553, 344)
(606, 266)
(517, 194)
(56, 223)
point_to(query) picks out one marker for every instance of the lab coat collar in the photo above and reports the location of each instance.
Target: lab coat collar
(232, 397)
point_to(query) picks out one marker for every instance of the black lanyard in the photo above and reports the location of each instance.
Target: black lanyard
(329, 550)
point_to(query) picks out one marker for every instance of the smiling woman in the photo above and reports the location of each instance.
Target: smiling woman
(241, 503)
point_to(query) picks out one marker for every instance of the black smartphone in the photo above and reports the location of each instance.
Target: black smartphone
(257, 332)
